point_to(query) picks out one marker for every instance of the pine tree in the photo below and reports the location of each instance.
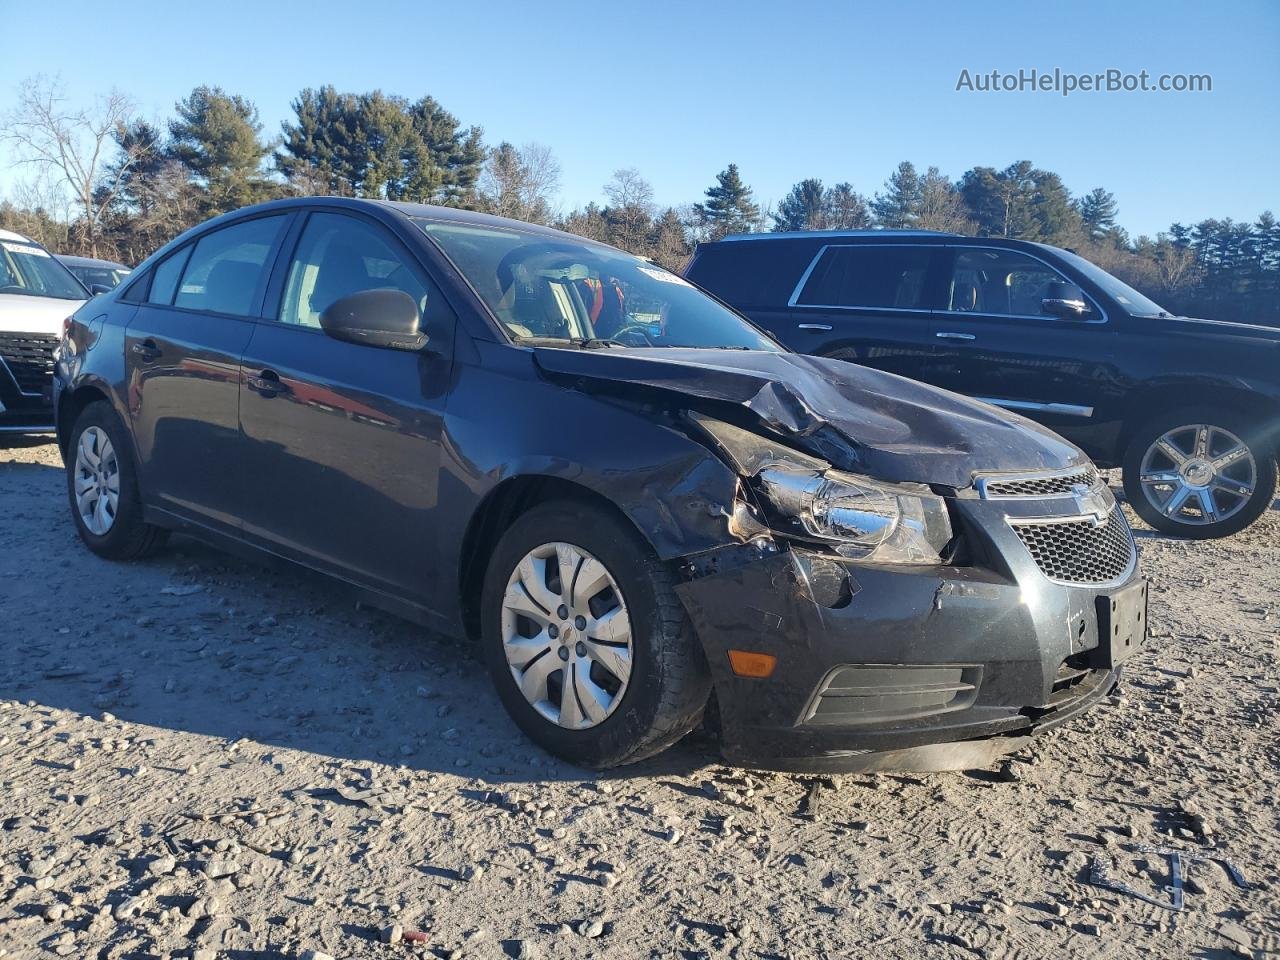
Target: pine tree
(804, 208)
(216, 137)
(898, 207)
(1097, 212)
(729, 207)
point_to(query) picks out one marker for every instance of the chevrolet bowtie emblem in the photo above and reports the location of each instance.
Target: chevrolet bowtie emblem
(1091, 501)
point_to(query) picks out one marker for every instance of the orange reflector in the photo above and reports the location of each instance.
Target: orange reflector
(748, 664)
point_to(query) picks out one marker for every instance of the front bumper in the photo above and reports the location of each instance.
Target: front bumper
(898, 667)
(26, 384)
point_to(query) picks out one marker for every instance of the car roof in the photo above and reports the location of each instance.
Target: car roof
(423, 211)
(15, 237)
(833, 235)
(71, 261)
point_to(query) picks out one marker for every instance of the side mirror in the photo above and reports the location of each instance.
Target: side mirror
(97, 289)
(1065, 301)
(375, 318)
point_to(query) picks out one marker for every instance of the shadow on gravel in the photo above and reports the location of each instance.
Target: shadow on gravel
(197, 641)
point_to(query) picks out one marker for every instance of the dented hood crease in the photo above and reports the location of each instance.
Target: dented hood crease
(854, 417)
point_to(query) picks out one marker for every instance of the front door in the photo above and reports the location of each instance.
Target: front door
(342, 440)
(996, 343)
(182, 350)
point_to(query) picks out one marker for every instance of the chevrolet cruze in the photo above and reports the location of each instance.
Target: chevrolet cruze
(644, 509)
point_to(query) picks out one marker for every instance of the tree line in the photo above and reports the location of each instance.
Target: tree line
(107, 182)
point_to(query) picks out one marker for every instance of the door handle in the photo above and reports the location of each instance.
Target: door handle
(267, 384)
(813, 326)
(147, 350)
(947, 335)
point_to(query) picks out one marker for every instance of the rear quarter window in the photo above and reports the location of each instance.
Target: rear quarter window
(752, 273)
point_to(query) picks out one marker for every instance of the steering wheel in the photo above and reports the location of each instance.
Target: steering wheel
(633, 328)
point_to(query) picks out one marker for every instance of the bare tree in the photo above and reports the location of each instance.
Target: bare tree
(630, 210)
(520, 182)
(71, 145)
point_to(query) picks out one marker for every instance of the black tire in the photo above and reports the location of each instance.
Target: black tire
(1248, 430)
(129, 537)
(669, 684)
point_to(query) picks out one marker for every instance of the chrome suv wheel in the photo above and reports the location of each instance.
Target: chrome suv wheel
(1199, 473)
(588, 645)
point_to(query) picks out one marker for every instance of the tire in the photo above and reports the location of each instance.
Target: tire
(668, 684)
(126, 536)
(1227, 429)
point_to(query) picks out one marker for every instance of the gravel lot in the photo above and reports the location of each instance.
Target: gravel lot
(202, 757)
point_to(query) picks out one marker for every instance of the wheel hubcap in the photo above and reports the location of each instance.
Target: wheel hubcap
(1198, 473)
(566, 634)
(97, 481)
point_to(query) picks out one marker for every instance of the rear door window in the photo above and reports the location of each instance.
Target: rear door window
(891, 277)
(227, 267)
(164, 279)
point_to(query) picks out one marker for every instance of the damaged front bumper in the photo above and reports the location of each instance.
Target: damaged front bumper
(902, 667)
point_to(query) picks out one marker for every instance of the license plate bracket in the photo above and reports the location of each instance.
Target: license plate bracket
(1122, 624)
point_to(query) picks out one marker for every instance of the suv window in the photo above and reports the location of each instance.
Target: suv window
(226, 267)
(868, 276)
(337, 256)
(1003, 282)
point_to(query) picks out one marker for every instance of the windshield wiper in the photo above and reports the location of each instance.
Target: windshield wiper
(593, 343)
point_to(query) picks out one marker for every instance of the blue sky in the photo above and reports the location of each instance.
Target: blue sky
(837, 90)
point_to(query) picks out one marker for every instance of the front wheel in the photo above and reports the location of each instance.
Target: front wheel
(587, 644)
(1199, 472)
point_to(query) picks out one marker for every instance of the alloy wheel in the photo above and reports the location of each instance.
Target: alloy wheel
(97, 481)
(1198, 474)
(566, 634)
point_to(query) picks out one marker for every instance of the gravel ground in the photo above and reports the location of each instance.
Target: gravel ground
(203, 757)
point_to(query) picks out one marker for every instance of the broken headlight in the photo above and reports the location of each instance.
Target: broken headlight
(858, 517)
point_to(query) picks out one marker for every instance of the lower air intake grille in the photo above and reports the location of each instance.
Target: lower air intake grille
(1079, 551)
(29, 357)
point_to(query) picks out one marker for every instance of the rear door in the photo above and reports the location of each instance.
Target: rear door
(182, 351)
(342, 440)
(997, 343)
(869, 303)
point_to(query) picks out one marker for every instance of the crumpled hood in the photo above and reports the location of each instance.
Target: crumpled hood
(20, 313)
(854, 417)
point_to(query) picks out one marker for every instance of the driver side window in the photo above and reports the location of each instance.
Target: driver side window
(337, 256)
(1003, 282)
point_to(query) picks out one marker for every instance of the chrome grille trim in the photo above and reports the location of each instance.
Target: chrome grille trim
(1037, 486)
(1080, 551)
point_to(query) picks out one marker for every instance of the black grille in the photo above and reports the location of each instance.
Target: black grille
(1039, 486)
(29, 357)
(1077, 551)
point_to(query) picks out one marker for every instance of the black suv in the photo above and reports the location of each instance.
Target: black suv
(1189, 408)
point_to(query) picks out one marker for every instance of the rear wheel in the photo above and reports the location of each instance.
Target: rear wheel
(1199, 472)
(584, 637)
(103, 489)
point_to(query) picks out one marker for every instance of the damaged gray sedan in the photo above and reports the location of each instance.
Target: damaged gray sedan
(644, 509)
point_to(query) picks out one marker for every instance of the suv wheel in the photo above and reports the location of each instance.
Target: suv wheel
(589, 648)
(1199, 473)
(103, 488)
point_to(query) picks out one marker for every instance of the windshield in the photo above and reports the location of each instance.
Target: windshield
(31, 270)
(106, 276)
(1133, 302)
(545, 288)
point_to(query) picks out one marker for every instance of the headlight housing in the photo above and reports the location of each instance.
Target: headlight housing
(856, 516)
